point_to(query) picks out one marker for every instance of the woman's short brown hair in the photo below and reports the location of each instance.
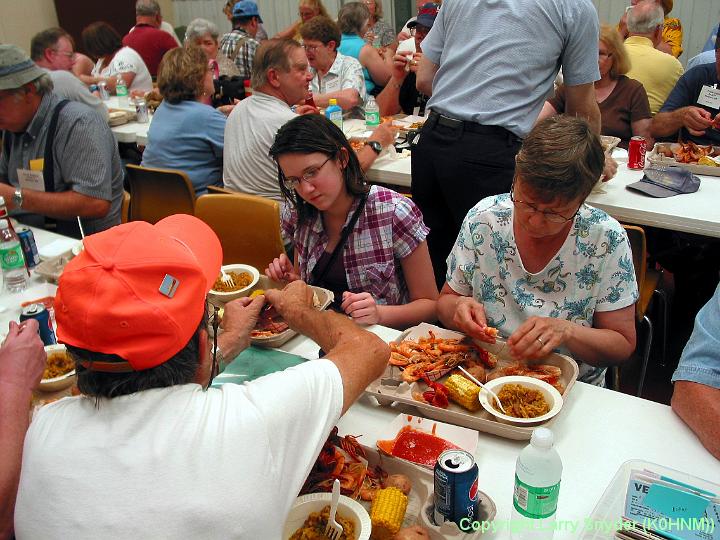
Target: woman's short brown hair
(100, 39)
(620, 60)
(322, 29)
(561, 159)
(181, 74)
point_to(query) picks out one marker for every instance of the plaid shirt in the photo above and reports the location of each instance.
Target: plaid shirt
(246, 50)
(390, 228)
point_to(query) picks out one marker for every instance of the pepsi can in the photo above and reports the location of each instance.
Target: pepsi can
(456, 489)
(29, 247)
(42, 316)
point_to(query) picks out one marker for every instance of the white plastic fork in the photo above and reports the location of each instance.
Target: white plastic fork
(227, 278)
(334, 529)
(481, 385)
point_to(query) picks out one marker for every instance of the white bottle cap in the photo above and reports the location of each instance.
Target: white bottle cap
(542, 438)
(4, 224)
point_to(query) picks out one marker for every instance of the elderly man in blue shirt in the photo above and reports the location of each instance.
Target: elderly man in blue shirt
(696, 398)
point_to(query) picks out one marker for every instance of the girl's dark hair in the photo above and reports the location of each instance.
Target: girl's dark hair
(309, 134)
(100, 39)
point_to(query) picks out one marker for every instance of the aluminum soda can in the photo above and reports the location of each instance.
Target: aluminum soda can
(636, 153)
(141, 110)
(102, 88)
(29, 247)
(456, 489)
(42, 316)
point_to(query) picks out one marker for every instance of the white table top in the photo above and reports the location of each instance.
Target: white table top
(695, 212)
(596, 432)
(132, 132)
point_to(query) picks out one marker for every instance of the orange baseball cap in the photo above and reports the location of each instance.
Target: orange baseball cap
(138, 290)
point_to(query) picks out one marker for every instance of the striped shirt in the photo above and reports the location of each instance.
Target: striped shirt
(389, 229)
(239, 45)
(86, 158)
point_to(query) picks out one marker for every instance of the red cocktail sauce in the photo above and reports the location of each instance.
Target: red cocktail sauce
(417, 446)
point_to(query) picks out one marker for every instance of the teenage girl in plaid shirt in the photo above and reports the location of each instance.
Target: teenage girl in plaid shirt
(366, 244)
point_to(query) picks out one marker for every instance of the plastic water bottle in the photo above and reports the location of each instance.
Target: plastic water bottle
(335, 113)
(537, 486)
(121, 90)
(11, 259)
(372, 113)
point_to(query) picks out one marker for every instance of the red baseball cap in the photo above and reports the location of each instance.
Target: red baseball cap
(138, 290)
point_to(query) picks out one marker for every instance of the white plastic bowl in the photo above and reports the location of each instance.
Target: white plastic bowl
(56, 383)
(551, 395)
(237, 268)
(315, 502)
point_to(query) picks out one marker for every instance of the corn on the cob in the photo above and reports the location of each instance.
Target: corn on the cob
(463, 392)
(387, 512)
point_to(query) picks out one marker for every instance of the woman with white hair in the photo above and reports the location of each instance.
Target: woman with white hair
(203, 34)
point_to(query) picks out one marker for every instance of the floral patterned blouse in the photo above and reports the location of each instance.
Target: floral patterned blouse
(592, 271)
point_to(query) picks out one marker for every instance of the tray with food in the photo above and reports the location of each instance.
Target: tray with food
(423, 372)
(271, 330)
(698, 159)
(409, 123)
(396, 496)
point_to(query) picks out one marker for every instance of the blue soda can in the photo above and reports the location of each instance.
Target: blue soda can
(456, 489)
(42, 316)
(29, 247)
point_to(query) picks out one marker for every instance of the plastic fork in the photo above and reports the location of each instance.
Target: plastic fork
(334, 530)
(481, 385)
(227, 278)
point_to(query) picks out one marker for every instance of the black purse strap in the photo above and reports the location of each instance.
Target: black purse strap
(48, 159)
(317, 280)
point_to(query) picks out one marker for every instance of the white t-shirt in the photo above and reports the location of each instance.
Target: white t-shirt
(68, 86)
(126, 60)
(177, 462)
(345, 72)
(249, 133)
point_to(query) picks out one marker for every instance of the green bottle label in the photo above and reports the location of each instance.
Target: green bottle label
(534, 502)
(12, 257)
(372, 118)
(121, 90)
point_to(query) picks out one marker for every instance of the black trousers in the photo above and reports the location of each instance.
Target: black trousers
(455, 165)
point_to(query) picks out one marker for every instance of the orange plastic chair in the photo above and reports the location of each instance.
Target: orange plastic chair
(648, 280)
(158, 193)
(248, 227)
(217, 190)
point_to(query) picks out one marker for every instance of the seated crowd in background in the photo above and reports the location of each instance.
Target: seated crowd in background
(550, 272)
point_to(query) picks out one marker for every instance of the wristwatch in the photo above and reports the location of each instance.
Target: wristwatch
(375, 146)
(17, 198)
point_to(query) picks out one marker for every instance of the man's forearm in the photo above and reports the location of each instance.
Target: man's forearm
(698, 406)
(666, 123)
(14, 420)
(326, 328)
(389, 99)
(59, 204)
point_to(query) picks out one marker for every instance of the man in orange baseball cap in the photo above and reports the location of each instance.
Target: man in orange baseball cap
(148, 450)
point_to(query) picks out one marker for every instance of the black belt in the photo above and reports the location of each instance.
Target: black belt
(437, 119)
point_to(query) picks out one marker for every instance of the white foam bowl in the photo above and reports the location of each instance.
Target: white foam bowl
(551, 395)
(57, 383)
(315, 502)
(237, 268)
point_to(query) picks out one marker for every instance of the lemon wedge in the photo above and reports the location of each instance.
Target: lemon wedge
(257, 292)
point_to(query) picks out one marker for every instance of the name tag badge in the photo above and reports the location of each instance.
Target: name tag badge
(333, 85)
(710, 97)
(31, 179)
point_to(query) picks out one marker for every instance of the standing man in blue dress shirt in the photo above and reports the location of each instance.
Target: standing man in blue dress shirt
(696, 397)
(488, 67)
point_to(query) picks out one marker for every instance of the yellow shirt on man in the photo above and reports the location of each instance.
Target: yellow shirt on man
(657, 71)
